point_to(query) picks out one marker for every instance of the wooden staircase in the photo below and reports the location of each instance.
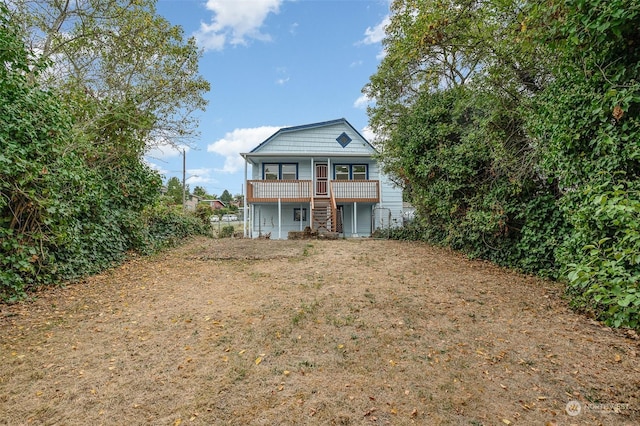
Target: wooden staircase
(322, 215)
(327, 218)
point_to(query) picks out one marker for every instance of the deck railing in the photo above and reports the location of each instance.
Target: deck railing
(269, 191)
(356, 190)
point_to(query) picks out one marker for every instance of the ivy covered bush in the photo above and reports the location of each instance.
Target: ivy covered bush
(514, 128)
(75, 193)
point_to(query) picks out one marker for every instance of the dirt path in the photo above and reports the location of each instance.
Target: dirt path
(312, 332)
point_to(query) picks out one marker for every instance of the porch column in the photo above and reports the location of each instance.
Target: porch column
(355, 219)
(313, 192)
(244, 201)
(279, 219)
(252, 213)
(329, 176)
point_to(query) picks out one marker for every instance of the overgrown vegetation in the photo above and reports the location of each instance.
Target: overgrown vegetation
(514, 128)
(75, 194)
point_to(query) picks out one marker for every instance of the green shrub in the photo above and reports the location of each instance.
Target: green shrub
(226, 231)
(166, 226)
(71, 203)
(603, 255)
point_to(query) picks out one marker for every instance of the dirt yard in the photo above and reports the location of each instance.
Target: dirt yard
(345, 332)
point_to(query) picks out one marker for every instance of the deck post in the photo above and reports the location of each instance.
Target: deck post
(313, 178)
(244, 201)
(355, 219)
(279, 218)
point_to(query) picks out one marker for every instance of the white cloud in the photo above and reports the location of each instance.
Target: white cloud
(284, 76)
(362, 102)
(166, 150)
(200, 177)
(367, 132)
(376, 34)
(237, 141)
(235, 22)
(161, 170)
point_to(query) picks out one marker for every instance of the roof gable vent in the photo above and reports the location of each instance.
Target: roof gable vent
(344, 139)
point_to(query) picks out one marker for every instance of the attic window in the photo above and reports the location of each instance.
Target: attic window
(344, 139)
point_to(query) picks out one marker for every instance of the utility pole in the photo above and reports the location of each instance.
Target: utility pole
(184, 180)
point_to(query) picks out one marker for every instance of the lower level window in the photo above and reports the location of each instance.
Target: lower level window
(299, 215)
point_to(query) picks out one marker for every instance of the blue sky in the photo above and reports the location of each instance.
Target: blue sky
(271, 64)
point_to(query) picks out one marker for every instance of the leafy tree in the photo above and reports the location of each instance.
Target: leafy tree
(450, 97)
(75, 195)
(437, 45)
(201, 192)
(174, 191)
(513, 127)
(226, 197)
(123, 53)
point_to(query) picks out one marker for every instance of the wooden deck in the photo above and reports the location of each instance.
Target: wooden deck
(300, 191)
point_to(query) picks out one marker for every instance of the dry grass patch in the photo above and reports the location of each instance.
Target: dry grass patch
(311, 332)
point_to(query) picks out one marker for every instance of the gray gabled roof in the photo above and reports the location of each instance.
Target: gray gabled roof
(310, 126)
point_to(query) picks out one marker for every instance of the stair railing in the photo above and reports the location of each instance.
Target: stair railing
(311, 218)
(334, 210)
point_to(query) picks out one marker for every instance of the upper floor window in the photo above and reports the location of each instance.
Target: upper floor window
(271, 171)
(351, 172)
(359, 172)
(289, 171)
(280, 171)
(342, 172)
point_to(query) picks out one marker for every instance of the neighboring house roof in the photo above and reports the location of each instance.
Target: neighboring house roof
(343, 135)
(215, 204)
(214, 201)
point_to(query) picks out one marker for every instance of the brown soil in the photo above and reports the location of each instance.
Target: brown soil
(311, 332)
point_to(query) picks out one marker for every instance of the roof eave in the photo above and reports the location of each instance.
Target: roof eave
(249, 155)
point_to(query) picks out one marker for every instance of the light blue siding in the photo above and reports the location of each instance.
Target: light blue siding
(391, 202)
(363, 220)
(304, 166)
(321, 140)
(265, 220)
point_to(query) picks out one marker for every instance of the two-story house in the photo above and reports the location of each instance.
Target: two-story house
(322, 175)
